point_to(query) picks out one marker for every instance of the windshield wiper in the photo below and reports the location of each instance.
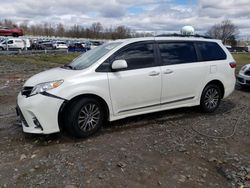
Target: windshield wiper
(68, 66)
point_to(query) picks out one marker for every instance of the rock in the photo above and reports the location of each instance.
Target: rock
(248, 177)
(121, 164)
(123, 149)
(182, 149)
(32, 170)
(212, 159)
(22, 157)
(33, 156)
(101, 176)
(182, 178)
(37, 166)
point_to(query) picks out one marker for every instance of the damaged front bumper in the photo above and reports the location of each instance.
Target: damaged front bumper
(39, 113)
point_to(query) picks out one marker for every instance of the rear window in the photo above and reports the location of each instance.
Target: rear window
(177, 52)
(211, 51)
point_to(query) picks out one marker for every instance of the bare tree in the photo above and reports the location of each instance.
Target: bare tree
(60, 31)
(224, 31)
(96, 28)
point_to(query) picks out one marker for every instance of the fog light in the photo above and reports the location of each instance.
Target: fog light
(37, 123)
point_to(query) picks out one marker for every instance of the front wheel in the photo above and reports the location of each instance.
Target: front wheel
(84, 117)
(210, 98)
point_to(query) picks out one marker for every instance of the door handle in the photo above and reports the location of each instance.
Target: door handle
(168, 71)
(154, 73)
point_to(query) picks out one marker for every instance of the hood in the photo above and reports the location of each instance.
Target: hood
(50, 75)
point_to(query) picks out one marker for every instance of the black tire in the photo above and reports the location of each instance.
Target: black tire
(15, 35)
(84, 117)
(210, 98)
(1, 49)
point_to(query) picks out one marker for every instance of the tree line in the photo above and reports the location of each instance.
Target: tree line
(95, 31)
(225, 31)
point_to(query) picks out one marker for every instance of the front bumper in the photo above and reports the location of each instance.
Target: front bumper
(243, 79)
(39, 113)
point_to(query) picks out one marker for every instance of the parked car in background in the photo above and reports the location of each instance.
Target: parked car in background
(76, 47)
(94, 44)
(27, 43)
(243, 78)
(248, 48)
(47, 46)
(15, 32)
(125, 78)
(60, 45)
(86, 45)
(13, 43)
(42, 45)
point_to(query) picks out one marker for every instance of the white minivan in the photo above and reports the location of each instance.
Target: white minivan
(126, 78)
(13, 43)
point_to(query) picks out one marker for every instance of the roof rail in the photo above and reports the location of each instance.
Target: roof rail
(180, 35)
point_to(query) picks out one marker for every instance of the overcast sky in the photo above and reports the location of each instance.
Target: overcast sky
(139, 15)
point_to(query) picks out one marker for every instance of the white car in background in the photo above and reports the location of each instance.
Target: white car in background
(126, 78)
(243, 78)
(60, 45)
(13, 43)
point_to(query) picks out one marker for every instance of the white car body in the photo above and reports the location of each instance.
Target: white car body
(13, 43)
(243, 78)
(126, 93)
(60, 45)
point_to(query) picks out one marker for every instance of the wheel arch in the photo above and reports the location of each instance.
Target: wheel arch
(65, 106)
(219, 84)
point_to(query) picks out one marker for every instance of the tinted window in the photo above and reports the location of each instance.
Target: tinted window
(139, 55)
(211, 51)
(177, 52)
(10, 42)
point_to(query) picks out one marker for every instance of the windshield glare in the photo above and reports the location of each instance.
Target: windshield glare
(91, 56)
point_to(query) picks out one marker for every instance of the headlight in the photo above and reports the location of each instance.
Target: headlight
(42, 87)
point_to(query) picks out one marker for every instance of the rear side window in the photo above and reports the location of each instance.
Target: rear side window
(211, 51)
(138, 55)
(177, 52)
(10, 42)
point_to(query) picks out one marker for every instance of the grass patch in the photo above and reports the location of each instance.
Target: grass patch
(241, 60)
(40, 59)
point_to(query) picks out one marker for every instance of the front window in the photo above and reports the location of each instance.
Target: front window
(90, 57)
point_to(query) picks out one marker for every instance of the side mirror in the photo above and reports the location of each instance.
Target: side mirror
(119, 64)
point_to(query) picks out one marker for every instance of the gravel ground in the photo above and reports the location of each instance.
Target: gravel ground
(166, 149)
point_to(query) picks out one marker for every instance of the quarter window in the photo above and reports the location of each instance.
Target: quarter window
(10, 42)
(177, 52)
(211, 51)
(138, 55)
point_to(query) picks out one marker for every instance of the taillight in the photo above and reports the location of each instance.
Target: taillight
(232, 64)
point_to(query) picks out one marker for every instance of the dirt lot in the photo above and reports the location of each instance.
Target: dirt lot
(154, 150)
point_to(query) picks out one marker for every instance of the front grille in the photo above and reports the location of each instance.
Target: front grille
(26, 91)
(240, 80)
(248, 82)
(247, 73)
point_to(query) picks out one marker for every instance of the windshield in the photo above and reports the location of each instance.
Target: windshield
(91, 56)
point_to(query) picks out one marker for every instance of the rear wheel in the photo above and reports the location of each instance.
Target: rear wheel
(1, 48)
(210, 98)
(85, 116)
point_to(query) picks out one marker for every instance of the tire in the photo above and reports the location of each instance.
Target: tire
(210, 98)
(1, 49)
(84, 117)
(15, 35)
